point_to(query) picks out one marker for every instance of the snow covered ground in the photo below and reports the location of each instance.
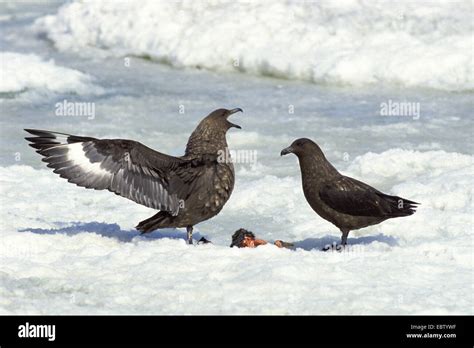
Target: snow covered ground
(64, 249)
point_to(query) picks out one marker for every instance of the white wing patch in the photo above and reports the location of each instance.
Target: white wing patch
(77, 156)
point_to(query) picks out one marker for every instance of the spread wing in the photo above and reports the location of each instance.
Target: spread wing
(125, 167)
(352, 197)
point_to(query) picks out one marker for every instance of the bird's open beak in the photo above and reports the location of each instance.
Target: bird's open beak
(235, 125)
(233, 111)
(286, 151)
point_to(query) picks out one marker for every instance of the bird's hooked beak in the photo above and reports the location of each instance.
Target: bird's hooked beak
(286, 151)
(233, 111)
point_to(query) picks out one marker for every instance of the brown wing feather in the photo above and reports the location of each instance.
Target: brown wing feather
(352, 197)
(125, 167)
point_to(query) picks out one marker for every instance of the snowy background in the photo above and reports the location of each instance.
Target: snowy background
(319, 70)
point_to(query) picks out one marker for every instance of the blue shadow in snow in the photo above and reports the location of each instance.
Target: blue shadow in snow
(114, 231)
(320, 243)
(111, 231)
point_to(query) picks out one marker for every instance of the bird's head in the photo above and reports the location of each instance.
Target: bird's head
(219, 119)
(301, 147)
(210, 134)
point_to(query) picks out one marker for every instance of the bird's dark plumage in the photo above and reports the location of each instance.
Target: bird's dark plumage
(187, 190)
(346, 202)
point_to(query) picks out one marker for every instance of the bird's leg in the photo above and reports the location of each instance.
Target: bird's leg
(189, 234)
(345, 233)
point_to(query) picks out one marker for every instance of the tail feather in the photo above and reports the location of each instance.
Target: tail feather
(159, 220)
(400, 206)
